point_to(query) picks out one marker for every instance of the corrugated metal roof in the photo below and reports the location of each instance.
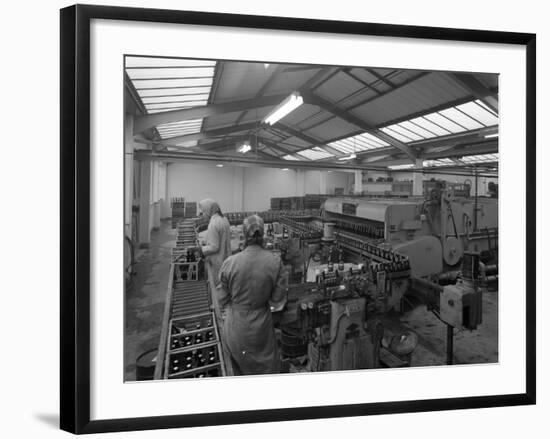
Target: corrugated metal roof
(426, 92)
(240, 80)
(288, 81)
(302, 113)
(332, 129)
(221, 120)
(339, 87)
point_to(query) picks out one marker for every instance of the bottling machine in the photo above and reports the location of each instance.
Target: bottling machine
(350, 264)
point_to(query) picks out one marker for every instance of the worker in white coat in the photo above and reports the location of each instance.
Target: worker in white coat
(253, 283)
(217, 246)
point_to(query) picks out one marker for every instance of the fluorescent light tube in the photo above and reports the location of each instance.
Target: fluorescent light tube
(488, 136)
(349, 157)
(244, 148)
(287, 106)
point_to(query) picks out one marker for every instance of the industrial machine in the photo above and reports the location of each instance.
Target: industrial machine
(434, 231)
(351, 263)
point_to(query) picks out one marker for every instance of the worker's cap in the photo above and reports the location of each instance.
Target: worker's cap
(251, 225)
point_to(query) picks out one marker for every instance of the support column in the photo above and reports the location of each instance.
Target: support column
(128, 173)
(144, 235)
(323, 182)
(418, 189)
(300, 182)
(358, 182)
(238, 191)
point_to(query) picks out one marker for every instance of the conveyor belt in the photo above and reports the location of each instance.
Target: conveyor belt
(189, 343)
(189, 298)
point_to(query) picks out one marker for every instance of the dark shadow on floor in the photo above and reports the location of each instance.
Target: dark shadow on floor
(50, 419)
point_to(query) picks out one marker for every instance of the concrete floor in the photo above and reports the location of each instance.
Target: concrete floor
(145, 306)
(145, 298)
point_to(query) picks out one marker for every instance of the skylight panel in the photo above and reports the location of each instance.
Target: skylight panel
(461, 119)
(417, 129)
(405, 132)
(445, 123)
(437, 162)
(373, 139)
(176, 98)
(399, 167)
(430, 126)
(315, 153)
(396, 135)
(146, 61)
(175, 105)
(293, 157)
(140, 84)
(179, 128)
(342, 147)
(188, 91)
(479, 113)
(481, 158)
(182, 122)
(187, 144)
(480, 103)
(360, 142)
(194, 72)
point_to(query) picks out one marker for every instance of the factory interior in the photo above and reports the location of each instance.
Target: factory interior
(373, 193)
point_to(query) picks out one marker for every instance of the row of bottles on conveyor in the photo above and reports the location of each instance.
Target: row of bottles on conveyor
(375, 232)
(301, 230)
(392, 262)
(193, 359)
(194, 348)
(187, 340)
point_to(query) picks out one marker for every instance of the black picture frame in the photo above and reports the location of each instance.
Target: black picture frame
(75, 217)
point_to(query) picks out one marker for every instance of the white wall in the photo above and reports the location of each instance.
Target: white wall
(244, 188)
(261, 184)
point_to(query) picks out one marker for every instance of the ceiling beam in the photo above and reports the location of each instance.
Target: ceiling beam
(263, 89)
(438, 144)
(457, 151)
(232, 141)
(309, 139)
(487, 147)
(351, 119)
(319, 79)
(272, 162)
(152, 120)
(366, 101)
(217, 132)
(177, 156)
(382, 78)
(277, 146)
(477, 88)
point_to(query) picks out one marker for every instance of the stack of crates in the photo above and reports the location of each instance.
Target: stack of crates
(313, 201)
(275, 204)
(178, 210)
(193, 349)
(191, 209)
(285, 203)
(297, 203)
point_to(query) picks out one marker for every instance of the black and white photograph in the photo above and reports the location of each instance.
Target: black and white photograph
(299, 218)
